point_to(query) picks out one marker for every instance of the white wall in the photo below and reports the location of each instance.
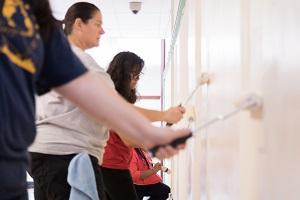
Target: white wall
(249, 46)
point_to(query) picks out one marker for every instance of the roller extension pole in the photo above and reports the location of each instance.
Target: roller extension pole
(249, 103)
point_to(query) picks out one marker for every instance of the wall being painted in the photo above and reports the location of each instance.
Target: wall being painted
(251, 46)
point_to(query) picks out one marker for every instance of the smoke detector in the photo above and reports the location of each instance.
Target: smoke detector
(135, 6)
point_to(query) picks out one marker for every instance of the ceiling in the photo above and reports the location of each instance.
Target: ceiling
(125, 31)
(153, 21)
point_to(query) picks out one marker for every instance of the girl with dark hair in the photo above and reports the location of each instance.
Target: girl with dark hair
(36, 57)
(43, 15)
(125, 70)
(145, 178)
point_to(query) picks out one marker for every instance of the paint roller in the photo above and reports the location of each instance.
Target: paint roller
(205, 79)
(253, 103)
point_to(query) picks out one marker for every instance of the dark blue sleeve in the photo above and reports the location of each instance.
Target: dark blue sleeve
(60, 64)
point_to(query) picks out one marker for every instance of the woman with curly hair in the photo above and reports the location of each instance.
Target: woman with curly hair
(125, 70)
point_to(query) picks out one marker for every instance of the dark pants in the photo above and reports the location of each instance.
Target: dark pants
(20, 197)
(13, 179)
(158, 191)
(50, 173)
(118, 184)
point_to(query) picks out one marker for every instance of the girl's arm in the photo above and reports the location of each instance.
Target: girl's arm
(94, 96)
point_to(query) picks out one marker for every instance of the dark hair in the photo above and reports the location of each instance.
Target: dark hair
(43, 15)
(82, 10)
(121, 69)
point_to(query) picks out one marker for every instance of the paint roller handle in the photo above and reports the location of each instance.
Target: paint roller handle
(169, 124)
(174, 143)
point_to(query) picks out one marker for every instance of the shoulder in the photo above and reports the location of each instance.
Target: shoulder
(90, 63)
(60, 64)
(86, 59)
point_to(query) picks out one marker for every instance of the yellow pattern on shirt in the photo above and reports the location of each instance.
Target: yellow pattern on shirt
(9, 9)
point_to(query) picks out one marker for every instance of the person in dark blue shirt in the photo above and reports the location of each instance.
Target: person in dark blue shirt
(26, 62)
(35, 57)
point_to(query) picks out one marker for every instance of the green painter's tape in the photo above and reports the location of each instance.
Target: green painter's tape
(176, 27)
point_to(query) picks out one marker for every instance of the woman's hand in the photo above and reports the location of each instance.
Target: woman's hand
(157, 167)
(174, 114)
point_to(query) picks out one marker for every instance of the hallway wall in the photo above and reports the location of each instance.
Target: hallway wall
(250, 46)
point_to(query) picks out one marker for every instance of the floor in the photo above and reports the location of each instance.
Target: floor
(30, 191)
